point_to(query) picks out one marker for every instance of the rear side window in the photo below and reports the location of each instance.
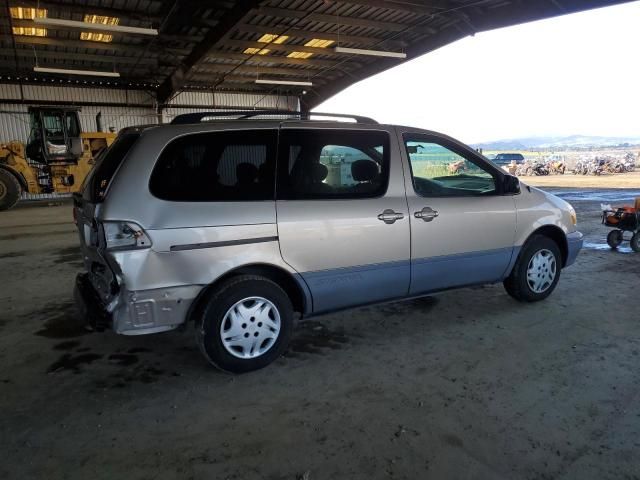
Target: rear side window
(217, 166)
(96, 183)
(326, 164)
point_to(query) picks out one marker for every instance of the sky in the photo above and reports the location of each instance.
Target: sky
(575, 74)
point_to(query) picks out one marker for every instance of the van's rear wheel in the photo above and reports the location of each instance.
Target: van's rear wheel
(245, 325)
(9, 190)
(536, 272)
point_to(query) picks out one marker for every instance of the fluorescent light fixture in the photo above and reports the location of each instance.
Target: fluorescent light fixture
(99, 27)
(273, 38)
(65, 71)
(318, 43)
(373, 53)
(266, 81)
(299, 55)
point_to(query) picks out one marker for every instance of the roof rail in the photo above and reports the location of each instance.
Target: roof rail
(245, 114)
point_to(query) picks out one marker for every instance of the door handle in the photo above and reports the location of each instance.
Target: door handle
(427, 214)
(389, 216)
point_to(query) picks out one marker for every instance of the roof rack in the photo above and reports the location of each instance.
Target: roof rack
(245, 114)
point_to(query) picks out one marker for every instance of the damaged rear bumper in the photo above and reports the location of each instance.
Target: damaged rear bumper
(89, 304)
(135, 312)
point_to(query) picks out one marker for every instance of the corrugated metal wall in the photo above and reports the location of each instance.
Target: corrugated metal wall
(14, 122)
(14, 126)
(138, 107)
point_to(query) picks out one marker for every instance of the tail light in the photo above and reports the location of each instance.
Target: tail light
(125, 236)
(75, 215)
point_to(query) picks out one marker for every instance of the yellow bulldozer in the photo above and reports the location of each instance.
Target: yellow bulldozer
(56, 157)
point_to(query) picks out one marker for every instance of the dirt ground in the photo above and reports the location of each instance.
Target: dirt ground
(468, 384)
(618, 180)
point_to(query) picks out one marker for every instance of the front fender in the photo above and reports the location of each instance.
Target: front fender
(537, 209)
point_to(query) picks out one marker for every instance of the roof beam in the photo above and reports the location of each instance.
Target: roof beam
(139, 77)
(226, 24)
(21, 52)
(337, 20)
(399, 5)
(114, 47)
(270, 60)
(215, 80)
(253, 70)
(300, 32)
(280, 47)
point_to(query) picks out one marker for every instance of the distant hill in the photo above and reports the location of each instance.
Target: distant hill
(581, 141)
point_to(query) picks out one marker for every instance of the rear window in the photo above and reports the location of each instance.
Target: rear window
(217, 166)
(98, 180)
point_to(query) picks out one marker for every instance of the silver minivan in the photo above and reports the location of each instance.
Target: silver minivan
(239, 224)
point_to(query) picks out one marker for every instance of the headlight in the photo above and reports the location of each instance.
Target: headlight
(125, 236)
(574, 217)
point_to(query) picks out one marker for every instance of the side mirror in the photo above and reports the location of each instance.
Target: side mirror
(510, 185)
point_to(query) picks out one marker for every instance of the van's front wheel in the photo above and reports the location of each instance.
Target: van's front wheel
(245, 325)
(536, 272)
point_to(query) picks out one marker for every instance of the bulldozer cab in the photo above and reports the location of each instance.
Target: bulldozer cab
(55, 135)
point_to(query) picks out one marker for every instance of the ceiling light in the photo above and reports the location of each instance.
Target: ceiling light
(96, 37)
(30, 31)
(75, 72)
(104, 20)
(100, 27)
(318, 43)
(27, 13)
(299, 55)
(283, 82)
(272, 38)
(24, 13)
(373, 53)
(253, 51)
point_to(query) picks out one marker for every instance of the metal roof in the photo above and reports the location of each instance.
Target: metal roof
(203, 45)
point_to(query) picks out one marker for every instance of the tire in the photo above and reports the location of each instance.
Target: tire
(10, 190)
(223, 314)
(526, 276)
(635, 242)
(614, 238)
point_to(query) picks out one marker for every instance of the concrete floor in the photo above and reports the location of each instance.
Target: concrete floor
(468, 384)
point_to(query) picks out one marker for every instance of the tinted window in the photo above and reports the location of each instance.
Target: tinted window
(219, 166)
(96, 183)
(438, 171)
(324, 164)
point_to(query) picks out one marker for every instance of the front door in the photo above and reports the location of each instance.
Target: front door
(462, 227)
(343, 222)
